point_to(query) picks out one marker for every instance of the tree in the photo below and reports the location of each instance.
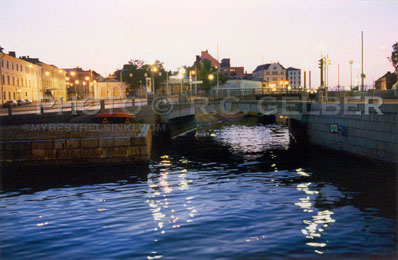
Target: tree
(394, 56)
(133, 73)
(204, 71)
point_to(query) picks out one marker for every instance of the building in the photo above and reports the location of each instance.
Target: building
(81, 82)
(231, 72)
(53, 79)
(293, 75)
(386, 82)
(272, 74)
(205, 55)
(19, 79)
(237, 87)
(111, 88)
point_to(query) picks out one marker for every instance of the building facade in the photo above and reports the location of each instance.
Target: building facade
(19, 79)
(110, 89)
(293, 75)
(386, 81)
(231, 72)
(53, 79)
(272, 74)
(205, 55)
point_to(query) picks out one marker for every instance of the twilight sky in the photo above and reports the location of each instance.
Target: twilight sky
(104, 34)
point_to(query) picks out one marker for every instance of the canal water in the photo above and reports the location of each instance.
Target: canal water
(236, 190)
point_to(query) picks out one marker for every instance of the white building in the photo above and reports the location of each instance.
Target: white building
(294, 77)
(272, 74)
(242, 86)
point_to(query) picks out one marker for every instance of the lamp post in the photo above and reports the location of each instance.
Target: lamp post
(211, 77)
(351, 62)
(181, 74)
(76, 82)
(154, 69)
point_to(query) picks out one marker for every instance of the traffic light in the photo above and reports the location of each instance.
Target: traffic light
(321, 64)
(328, 61)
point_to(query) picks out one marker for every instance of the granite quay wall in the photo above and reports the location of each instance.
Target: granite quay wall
(372, 135)
(121, 147)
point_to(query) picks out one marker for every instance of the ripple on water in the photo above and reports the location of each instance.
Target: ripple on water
(237, 193)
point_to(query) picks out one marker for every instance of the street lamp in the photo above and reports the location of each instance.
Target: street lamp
(154, 69)
(351, 62)
(76, 82)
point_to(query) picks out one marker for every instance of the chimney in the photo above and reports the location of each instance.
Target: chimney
(12, 53)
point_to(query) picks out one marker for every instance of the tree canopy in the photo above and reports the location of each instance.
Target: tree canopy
(134, 73)
(394, 56)
(204, 71)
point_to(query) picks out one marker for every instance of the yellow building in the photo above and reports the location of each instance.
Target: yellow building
(53, 79)
(19, 79)
(110, 89)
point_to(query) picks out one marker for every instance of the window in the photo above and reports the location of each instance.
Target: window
(8, 81)
(20, 67)
(267, 73)
(9, 95)
(22, 82)
(16, 67)
(274, 73)
(4, 95)
(3, 79)
(2, 63)
(274, 68)
(18, 82)
(13, 80)
(282, 73)
(13, 94)
(26, 94)
(12, 67)
(8, 68)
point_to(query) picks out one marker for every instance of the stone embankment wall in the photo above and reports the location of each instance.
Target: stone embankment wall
(369, 135)
(125, 148)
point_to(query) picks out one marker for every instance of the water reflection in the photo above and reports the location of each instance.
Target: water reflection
(222, 194)
(317, 224)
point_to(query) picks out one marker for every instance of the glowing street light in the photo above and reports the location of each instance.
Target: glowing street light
(211, 77)
(182, 71)
(47, 73)
(87, 78)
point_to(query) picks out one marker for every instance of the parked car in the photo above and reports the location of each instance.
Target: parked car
(28, 101)
(10, 103)
(21, 102)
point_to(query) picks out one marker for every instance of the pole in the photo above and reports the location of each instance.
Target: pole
(327, 71)
(351, 74)
(338, 77)
(309, 79)
(305, 79)
(218, 68)
(167, 82)
(362, 75)
(196, 78)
